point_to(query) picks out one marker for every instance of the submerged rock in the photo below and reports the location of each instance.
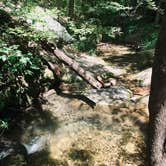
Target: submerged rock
(37, 144)
(8, 149)
(107, 96)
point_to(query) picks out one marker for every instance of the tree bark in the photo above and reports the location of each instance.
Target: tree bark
(87, 76)
(71, 8)
(158, 12)
(77, 68)
(157, 103)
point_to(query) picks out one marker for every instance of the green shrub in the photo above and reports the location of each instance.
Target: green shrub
(20, 76)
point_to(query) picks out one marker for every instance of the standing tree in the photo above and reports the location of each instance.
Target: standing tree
(157, 103)
(71, 8)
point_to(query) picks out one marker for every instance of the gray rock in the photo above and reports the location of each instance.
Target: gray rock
(107, 96)
(37, 144)
(144, 77)
(48, 23)
(98, 65)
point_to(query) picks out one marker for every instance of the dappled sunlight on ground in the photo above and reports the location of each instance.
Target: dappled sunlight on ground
(109, 136)
(109, 49)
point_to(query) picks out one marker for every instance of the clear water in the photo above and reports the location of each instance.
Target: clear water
(68, 132)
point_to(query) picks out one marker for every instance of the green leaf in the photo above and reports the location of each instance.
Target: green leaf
(28, 72)
(24, 60)
(3, 124)
(34, 67)
(3, 58)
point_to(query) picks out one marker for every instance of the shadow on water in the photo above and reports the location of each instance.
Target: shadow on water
(43, 159)
(81, 156)
(31, 119)
(34, 123)
(32, 129)
(129, 126)
(37, 159)
(77, 96)
(127, 138)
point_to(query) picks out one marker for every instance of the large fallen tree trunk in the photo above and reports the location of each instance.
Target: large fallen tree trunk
(77, 68)
(85, 75)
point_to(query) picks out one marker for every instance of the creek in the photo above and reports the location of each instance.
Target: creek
(104, 127)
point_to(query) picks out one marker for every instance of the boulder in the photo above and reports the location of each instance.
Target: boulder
(108, 96)
(37, 144)
(45, 22)
(144, 77)
(98, 66)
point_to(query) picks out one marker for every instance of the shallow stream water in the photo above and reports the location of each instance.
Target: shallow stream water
(68, 132)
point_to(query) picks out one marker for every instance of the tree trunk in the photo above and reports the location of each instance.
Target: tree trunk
(71, 8)
(87, 76)
(158, 12)
(157, 103)
(77, 68)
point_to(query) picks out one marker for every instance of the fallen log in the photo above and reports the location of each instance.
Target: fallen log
(77, 68)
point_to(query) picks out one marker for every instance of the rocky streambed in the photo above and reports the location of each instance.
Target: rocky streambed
(68, 131)
(104, 127)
